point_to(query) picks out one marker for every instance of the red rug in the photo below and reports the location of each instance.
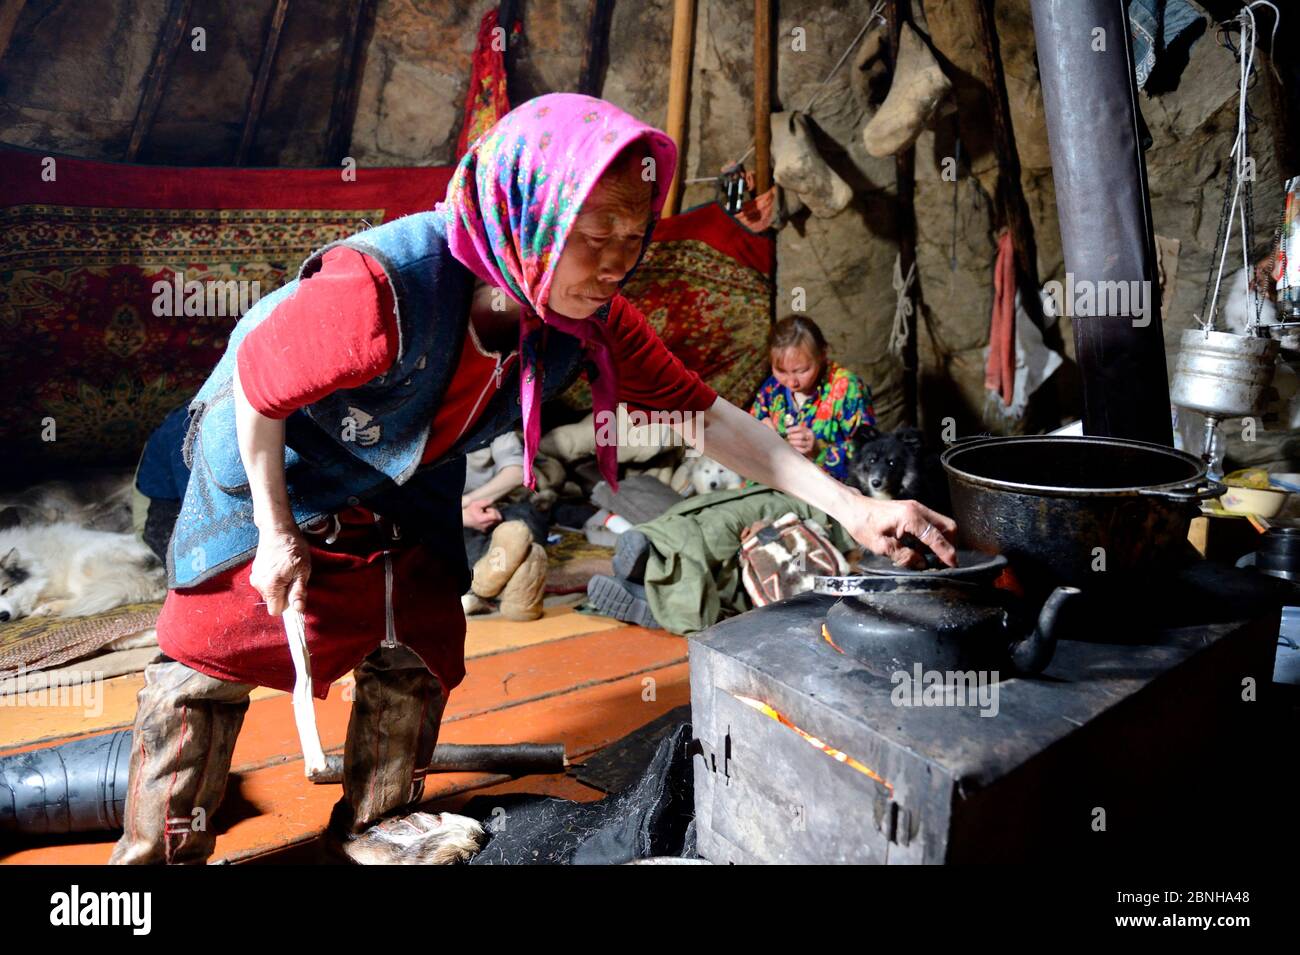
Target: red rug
(88, 358)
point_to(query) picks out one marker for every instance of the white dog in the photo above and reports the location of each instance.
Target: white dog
(701, 475)
(63, 570)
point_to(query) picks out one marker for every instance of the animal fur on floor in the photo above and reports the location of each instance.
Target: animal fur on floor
(63, 570)
(102, 503)
(421, 838)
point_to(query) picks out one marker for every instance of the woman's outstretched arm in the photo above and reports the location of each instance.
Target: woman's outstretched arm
(737, 440)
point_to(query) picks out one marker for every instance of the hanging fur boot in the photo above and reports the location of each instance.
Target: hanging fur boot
(870, 76)
(916, 91)
(510, 545)
(799, 168)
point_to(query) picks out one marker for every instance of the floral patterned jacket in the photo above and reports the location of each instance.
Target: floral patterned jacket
(839, 405)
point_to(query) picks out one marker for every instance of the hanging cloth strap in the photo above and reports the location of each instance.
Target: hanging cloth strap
(304, 712)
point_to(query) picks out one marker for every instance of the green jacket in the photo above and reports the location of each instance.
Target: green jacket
(692, 577)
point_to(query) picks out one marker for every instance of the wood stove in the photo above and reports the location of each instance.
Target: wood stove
(804, 755)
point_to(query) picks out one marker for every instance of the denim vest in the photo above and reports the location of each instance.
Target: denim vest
(357, 445)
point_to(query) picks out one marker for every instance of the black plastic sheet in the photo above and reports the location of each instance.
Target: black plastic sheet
(654, 817)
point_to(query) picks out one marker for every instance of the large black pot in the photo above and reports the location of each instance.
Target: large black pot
(1079, 511)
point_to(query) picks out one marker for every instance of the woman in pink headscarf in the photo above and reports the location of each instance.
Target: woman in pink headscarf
(419, 330)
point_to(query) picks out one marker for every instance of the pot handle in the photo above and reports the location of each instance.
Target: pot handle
(1193, 493)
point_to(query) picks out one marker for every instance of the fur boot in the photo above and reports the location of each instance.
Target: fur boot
(186, 724)
(510, 544)
(397, 711)
(522, 597)
(801, 169)
(916, 91)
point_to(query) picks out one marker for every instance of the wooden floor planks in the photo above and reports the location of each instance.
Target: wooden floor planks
(586, 681)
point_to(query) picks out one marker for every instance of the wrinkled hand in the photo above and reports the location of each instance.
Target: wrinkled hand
(802, 440)
(894, 528)
(280, 570)
(480, 515)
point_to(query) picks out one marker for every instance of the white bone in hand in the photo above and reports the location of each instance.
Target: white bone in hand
(304, 713)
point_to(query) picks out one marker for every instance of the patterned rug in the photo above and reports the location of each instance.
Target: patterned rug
(37, 643)
(119, 284)
(705, 285)
(573, 560)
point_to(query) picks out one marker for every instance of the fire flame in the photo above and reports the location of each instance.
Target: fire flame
(826, 748)
(1008, 581)
(826, 635)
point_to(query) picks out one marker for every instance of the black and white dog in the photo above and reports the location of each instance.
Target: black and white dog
(67, 550)
(62, 570)
(897, 465)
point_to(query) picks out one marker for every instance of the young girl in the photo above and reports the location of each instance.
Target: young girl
(811, 401)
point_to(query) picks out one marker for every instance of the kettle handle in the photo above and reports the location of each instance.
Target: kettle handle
(1032, 654)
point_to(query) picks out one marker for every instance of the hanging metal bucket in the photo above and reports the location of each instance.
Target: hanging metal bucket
(1222, 374)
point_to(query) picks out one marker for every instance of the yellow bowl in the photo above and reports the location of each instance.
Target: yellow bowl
(1250, 500)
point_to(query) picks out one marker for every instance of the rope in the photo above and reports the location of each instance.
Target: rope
(904, 307)
(820, 88)
(1239, 154)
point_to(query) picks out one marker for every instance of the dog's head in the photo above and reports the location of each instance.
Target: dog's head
(885, 463)
(708, 475)
(20, 586)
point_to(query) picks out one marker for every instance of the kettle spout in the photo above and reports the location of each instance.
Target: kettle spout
(1035, 651)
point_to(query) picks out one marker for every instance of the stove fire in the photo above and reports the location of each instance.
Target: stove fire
(826, 748)
(826, 635)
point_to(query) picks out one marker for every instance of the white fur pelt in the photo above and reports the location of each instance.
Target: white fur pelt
(420, 838)
(68, 571)
(101, 503)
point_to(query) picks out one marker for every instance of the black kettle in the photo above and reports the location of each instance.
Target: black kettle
(895, 623)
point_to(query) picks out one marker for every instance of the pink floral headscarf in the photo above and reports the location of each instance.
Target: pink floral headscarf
(508, 212)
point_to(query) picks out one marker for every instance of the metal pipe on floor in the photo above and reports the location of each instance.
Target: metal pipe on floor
(80, 786)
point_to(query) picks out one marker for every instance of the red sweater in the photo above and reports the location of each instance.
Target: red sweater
(340, 330)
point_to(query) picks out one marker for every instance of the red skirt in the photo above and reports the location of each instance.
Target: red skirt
(221, 626)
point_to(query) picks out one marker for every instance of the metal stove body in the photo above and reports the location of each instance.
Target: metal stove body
(803, 755)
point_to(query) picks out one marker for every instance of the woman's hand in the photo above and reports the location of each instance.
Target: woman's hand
(281, 568)
(802, 440)
(480, 515)
(892, 529)
(734, 439)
